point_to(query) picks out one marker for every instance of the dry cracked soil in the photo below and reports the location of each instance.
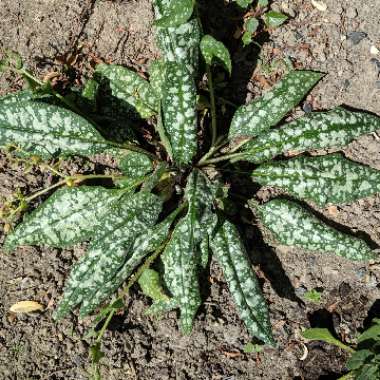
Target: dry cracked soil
(69, 38)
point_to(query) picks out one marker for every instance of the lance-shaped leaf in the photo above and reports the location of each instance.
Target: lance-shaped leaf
(46, 130)
(157, 75)
(213, 49)
(135, 166)
(181, 256)
(318, 130)
(292, 225)
(331, 179)
(179, 112)
(173, 12)
(68, 217)
(150, 240)
(181, 272)
(115, 237)
(181, 44)
(265, 112)
(129, 87)
(230, 253)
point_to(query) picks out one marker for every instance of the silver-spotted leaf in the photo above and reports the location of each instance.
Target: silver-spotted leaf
(16, 97)
(292, 225)
(265, 112)
(181, 257)
(230, 253)
(319, 130)
(130, 87)
(181, 44)
(173, 12)
(181, 272)
(157, 75)
(47, 130)
(179, 112)
(213, 49)
(68, 217)
(331, 179)
(108, 252)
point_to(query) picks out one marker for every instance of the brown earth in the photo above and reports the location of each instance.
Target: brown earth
(70, 37)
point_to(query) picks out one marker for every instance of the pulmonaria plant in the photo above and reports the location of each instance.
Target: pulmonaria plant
(165, 201)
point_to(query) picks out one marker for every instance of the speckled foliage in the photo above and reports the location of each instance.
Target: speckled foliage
(168, 197)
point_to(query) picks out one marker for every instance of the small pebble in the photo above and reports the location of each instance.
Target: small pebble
(351, 13)
(374, 50)
(356, 37)
(307, 107)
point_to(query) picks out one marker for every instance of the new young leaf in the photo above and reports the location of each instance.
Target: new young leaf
(292, 225)
(47, 130)
(129, 87)
(231, 255)
(68, 217)
(261, 114)
(213, 49)
(318, 130)
(331, 179)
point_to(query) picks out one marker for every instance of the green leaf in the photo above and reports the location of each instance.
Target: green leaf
(324, 335)
(251, 24)
(291, 225)
(93, 278)
(173, 12)
(179, 112)
(157, 75)
(274, 19)
(368, 372)
(181, 44)
(90, 90)
(265, 112)
(135, 166)
(230, 253)
(250, 348)
(331, 179)
(181, 256)
(68, 217)
(319, 130)
(129, 87)
(372, 333)
(313, 295)
(243, 3)
(358, 358)
(47, 130)
(246, 38)
(263, 3)
(213, 49)
(150, 284)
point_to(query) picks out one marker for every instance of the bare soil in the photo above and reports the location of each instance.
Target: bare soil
(69, 38)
